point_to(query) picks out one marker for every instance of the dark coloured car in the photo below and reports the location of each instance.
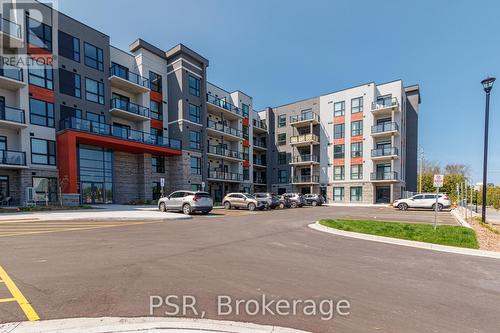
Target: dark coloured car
(284, 202)
(314, 199)
(296, 199)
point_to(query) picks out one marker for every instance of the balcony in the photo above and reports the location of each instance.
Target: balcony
(304, 159)
(259, 162)
(225, 176)
(11, 77)
(385, 153)
(259, 126)
(11, 33)
(259, 145)
(12, 159)
(12, 118)
(304, 119)
(216, 151)
(389, 176)
(385, 129)
(129, 110)
(259, 181)
(116, 132)
(219, 106)
(304, 140)
(128, 81)
(385, 106)
(229, 133)
(314, 179)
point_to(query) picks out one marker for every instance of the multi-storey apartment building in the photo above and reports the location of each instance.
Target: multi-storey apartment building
(84, 122)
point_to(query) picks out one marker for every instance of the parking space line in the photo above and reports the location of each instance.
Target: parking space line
(5, 300)
(18, 297)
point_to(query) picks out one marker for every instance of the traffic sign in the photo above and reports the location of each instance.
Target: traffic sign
(162, 182)
(438, 180)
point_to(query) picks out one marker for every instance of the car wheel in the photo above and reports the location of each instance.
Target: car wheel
(163, 208)
(227, 205)
(403, 206)
(282, 205)
(293, 204)
(186, 209)
(440, 207)
(314, 203)
(251, 207)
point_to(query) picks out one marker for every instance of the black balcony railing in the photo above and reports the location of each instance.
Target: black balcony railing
(260, 124)
(11, 72)
(387, 175)
(137, 109)
(305, 158)
(12, 114)
(385, 151)
(259, 180)
(304, 117)
(10, 28)
(225, 129)
(116, 70)
(306, 179)
(384, 103)
(221, 175)
(259, 144)
(259, 161)
(10, 157)
(385, 127)
(223, 104)
(216, 150)
(118, 132)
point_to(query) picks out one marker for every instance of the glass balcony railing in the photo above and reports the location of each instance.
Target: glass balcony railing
(259, 161)
(385, 127)
(118, 132)
(137, 109)
(384, 103)
(225, 152)
(388, 175)
(223, 104)
(12, 114)
(10, 157)
(304, 117)
(303, 138)
(260, 144)
(11, 72)
(306, 179)
(260, 124)
(305, 158)
(116, 70)
(225, 129)
(259, 180)
(385, 151)
(10, 28)
(221, 175)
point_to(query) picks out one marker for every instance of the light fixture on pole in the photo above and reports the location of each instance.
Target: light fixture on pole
(487, 86)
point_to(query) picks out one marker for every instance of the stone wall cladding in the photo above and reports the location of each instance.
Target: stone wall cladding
(131, 177)
(178, 171)
(367, 192)
(26, 179)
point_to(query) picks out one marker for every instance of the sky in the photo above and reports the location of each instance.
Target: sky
(283, 51)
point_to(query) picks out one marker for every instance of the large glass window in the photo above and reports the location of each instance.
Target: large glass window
(282, 120)
(194, 113)
(43, 152)
(338, 173)
(194, 139)
(70, 83)
(339, 109)
(356, 171)
(339, 131)
(93, 56)
(283, 176)
(357, 149)
(41, 113)
(281, 139)
(45, 189)
(156, 110)
(94, 91)
(195, 165)
(357, 128)
(69, 46)
(357, 105)
(194, 86)
(39, 34)
(155, 82)
(158, 164)
(96, 174)
(282, 158)
(41, 75)
(356, 193)
(338, 151)
(244, 110)
(338, 194)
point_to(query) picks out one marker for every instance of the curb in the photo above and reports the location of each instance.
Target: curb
(403, 242)
(460, 219)
(141, 324)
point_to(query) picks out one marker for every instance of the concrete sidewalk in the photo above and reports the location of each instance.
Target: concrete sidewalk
(104, 213)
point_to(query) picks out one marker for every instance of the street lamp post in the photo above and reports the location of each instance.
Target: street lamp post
(487, 85)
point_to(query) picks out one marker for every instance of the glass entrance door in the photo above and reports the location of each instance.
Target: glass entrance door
(4, 190)
(92, 193)
(383, 194)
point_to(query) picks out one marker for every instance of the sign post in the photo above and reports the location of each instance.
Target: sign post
(162, 185)
(438, 182)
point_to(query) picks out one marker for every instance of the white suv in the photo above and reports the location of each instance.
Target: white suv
(423, 200)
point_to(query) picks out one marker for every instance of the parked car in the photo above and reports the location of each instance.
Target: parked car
(284, 202)
(314, 199)
(242, 200)
(297, 199)
(187, 202)
(423, 200)
(271, 200)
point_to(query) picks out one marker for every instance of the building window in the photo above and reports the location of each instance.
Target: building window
(357, 128)
(45, 189)
(94, 91)
(39, 34)
(245, 132)
(158, 164)
(338, 173)
(283, 176)
(356, 171)
(245, 110)
(43, 152)
(194, 86)
(282, 158)
(69, 46)
(338, 151)
(41, 75)
(195, 187)
(194, 113)
(357, 105)
(282, 120)
(194, 139)
(281, 139)
(356, 193)
(339, 131)
(155, 82)
(357, 149)
(156, 110)
(339, 109)
(93, 56)
(195, 165)
(338, 194)
(70, 83)
(41, 113)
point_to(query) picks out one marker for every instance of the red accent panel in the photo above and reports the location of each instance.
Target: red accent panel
(32, 49)
(66, 162)
(246, 121)
(246, 163)
(246, 143)
(339, 141)
(358, 138)
(156, 96)
(41, 94)
(338, 161)
(356, 160)
(339, 120)
(357, 116)
(155, 123)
